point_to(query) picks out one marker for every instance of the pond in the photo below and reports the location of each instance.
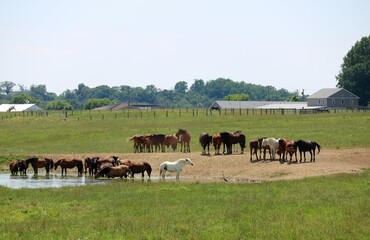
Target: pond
(57, 181)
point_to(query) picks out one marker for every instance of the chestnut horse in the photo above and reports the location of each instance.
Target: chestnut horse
(217, 142)
(171, 140)
(138, 167)
(184, 140)
(64, 164)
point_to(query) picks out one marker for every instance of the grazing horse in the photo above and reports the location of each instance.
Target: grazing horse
(46, 163)
(138, 168)
(171, 140)
(34, 163)
(217, 142)
(111, 172)
(64, 164)
(16, 166)
(205, 140)
(273, 145)
(173, 167)
(185, 139)
(307, 146)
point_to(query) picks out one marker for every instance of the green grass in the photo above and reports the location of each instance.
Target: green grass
(332, 207)
(89, 132)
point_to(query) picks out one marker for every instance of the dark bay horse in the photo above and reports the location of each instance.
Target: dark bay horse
(230, 138)
(184, 139)
(46, 163)
(34, 163)
(307, 146)
(91, 165)
(205, 140)
(64, 164)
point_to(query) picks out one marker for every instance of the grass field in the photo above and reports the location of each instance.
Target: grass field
(333, 207)
(107, 132)
(327, 207)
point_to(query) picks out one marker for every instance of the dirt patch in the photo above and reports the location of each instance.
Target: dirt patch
(237, 167)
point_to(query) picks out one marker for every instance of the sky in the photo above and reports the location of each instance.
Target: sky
(287, 44)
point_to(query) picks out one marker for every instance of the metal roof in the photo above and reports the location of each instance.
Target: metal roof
(19, 107)
(261, 105)
(329, 92)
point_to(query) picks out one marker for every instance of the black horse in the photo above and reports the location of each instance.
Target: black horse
(205, 140)
(307, 146)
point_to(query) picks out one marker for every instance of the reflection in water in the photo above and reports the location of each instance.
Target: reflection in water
(56, 180)
(45, 181)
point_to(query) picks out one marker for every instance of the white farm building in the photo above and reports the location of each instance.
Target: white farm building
(19, 107)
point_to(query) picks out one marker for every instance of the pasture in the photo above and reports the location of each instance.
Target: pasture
(323, 207)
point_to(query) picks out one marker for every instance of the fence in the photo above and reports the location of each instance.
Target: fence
(167, 113)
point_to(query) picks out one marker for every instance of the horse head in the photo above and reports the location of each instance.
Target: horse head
(188, 161)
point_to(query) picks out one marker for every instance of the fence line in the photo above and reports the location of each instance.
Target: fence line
(169, 113)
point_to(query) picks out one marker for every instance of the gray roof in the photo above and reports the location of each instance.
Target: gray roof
(328, 92)
(19, 107)
(261, 105)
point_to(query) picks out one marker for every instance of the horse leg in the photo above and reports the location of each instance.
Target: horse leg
(177, 175)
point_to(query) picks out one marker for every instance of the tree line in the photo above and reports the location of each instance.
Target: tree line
(200, 94)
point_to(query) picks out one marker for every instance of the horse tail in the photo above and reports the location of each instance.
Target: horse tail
(318, 147)
(148, 167)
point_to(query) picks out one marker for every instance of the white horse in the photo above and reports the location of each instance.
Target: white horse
(272, 143)
(174, 167)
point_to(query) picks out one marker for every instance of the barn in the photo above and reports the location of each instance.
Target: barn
(19, 107)
(336, 98)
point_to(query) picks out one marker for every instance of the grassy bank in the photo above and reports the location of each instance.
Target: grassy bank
(332, 207)
(89, 132)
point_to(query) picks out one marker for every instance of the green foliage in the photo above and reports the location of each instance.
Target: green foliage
(24, 98)
(95, 103)
(355, 71)
(333, 207)
(6, 87)
(237, 97)
(59, 105)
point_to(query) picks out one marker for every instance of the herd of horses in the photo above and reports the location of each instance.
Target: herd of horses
(229, 140)
(109, 167)
(113, 166)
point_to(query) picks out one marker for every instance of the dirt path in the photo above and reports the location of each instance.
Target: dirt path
(237, 167)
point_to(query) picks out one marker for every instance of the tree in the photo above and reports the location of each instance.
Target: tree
(181, 87)
(237, 97)
(6, 87)
(24, 99)
(355, 71)
(59, 105)
(95, 103)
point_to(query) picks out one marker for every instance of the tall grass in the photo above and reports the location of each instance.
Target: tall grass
(332, 207)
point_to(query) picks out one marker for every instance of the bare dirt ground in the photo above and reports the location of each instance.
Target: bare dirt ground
(238, 167)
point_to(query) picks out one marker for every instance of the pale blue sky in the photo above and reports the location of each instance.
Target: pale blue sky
(287, 44)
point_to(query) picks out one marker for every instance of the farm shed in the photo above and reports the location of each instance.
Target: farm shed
(19, 107)
(125, 105)
(338, 98)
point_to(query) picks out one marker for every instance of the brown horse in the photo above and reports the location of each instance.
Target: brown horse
(34, 163)
(253, 147)
(171, 140)
(291, 148)
(184, 140)
(111, 172)
(46, 163)
(138, 168)
(64, 164)
(217, 142)
(16, 166)
(205, 140)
